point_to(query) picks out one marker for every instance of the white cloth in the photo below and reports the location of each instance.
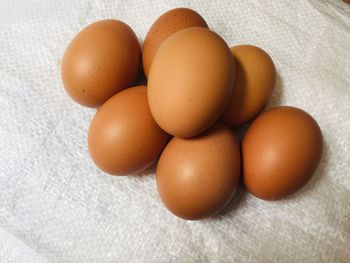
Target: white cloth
(56, 206)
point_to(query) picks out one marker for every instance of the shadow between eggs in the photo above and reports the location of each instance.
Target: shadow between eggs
(150, 171)
(276, 100)
(237, 201)
(277, 94)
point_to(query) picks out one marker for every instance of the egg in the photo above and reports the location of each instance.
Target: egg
(197, 177)
(190, 81)
(101, 60)
(280, 152)
(167, 24)
(255, 81)
(123, 137)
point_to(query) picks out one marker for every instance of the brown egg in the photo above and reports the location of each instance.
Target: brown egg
(101, 60)
(123, 137)
(197, 177)
(190, 82)
(255, 80)
(280, 151)
(166, 25)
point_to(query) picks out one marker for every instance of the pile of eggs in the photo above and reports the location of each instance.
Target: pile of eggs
(198, 92)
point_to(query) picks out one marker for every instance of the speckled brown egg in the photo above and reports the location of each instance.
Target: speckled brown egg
(280, 151)
(255, 80)
(166, 25)
(197, 177)
(191, 81)
(123, 137)
(101, 60)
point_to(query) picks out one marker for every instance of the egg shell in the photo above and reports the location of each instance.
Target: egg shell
(280, 152)
(101, 60)
(167, 24)
(255, 81)
(197, 177)
(123, 137)
(191, 81)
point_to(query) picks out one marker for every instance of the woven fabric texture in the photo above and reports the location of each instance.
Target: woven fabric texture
(56, 206)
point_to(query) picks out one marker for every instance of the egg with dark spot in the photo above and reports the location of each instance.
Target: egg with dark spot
(101, 60)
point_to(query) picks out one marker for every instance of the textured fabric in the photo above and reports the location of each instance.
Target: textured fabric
(55, 206)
